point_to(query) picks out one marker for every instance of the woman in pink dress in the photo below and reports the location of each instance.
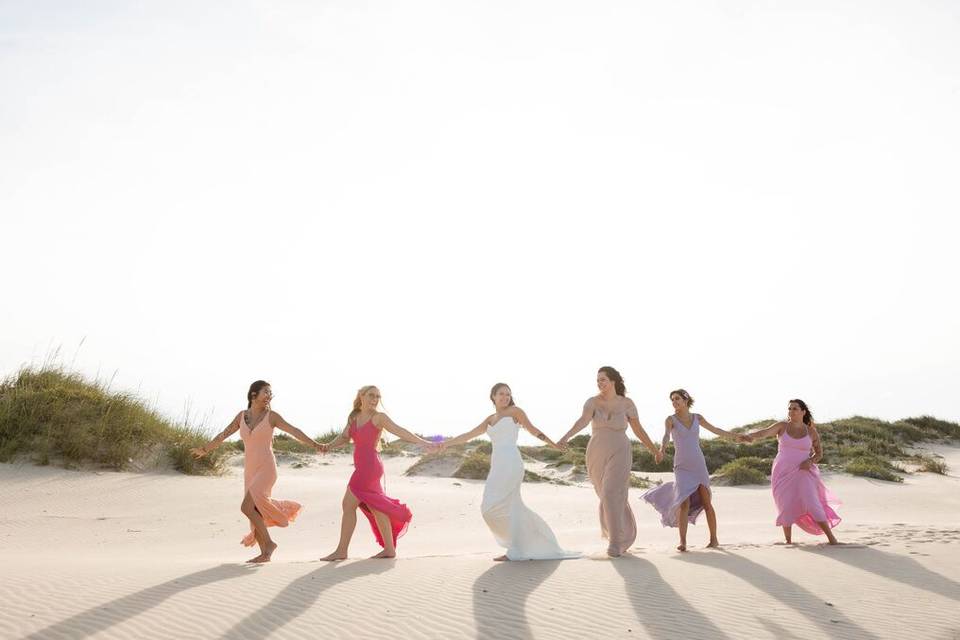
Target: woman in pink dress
(610, 456)
(256, 426)
(799, 493)
(388, 517)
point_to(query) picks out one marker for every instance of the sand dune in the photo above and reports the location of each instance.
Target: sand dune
(122, 555)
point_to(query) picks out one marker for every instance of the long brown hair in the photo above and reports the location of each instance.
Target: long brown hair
(807, 415)
(255, 388)
(615, 378)
(497, 387)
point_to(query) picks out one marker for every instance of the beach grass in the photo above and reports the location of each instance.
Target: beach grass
(53, 416)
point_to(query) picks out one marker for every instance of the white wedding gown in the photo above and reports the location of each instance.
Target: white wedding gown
(524, 534)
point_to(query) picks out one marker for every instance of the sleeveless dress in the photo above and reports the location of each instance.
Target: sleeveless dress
(609, 458)
(690, 471)
(524, 534)
(365, 482)
(800, 495)
(260, 474)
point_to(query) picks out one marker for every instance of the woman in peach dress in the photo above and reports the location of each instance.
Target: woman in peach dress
(610, 456)
(256, 426)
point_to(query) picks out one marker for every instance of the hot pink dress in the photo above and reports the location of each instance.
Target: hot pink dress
(260, 474)
(800, 495)
(365, 482)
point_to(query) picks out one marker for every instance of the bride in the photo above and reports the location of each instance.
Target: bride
(524, 534)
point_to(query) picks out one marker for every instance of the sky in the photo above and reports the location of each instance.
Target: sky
(755, 201)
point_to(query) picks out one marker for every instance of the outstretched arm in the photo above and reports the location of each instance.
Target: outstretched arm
(578, 426)
(478, 430)
(722, 433)
(644, 438)
(337, 442)
(773, 430)
(520, 416)
(199, 452)
(384, 422)
(277, 421)
(667, 426)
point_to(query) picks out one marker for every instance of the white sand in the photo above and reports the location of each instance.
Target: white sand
(123, 555)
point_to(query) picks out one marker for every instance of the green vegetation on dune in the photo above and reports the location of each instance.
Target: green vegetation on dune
(747, 470)
(52, 416)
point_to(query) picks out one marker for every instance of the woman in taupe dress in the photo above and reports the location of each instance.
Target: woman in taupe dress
(609, 456)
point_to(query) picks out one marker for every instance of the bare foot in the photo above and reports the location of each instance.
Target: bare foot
(265, 554)
(783, 544)
(681, 548)
(714, 544)
(613, 552)
(501, 558)
(384, 554)
(333, 557)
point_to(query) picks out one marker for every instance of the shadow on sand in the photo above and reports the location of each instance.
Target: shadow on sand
(301, 594)
(893, 567)
(662, 611)
(102, 617)
(785, 591)
(500, 597)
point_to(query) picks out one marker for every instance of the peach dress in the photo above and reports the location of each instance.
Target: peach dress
(609, 458)
(260, 474)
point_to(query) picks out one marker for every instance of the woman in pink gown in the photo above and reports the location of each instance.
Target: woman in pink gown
(799, 493)
(256, 426)
(610, 456)
(388, 517)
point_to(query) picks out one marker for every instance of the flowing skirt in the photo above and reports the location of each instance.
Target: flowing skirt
(609, 458)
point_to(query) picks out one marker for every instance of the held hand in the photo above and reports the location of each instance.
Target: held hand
(658, 456)
(322, 447)
(743, 438)
(806, 464)
(198, 452)
(562, 444)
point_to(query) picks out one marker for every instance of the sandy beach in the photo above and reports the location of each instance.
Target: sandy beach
(156, 555)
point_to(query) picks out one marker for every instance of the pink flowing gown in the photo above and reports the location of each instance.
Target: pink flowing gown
(366, 486)
(800, 495)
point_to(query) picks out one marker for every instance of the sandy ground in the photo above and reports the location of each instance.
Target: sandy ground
(124, 555)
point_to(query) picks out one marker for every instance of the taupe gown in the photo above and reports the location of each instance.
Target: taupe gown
(609, 458)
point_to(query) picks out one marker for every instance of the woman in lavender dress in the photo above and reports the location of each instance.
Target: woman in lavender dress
(681, 501)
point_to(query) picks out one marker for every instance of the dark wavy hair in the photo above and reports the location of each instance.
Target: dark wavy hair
(615, 378)
(497, 387)
(807, 416)
(255, 388)
(683, 394)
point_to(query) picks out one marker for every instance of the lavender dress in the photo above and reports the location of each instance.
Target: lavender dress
(690, 471)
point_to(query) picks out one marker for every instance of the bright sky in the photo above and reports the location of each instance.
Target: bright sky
(753, 200)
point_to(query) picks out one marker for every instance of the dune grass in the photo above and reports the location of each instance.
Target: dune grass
(932, 465)
(747, 470)
(52, 416)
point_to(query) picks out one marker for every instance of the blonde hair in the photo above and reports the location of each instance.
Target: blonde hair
(356, 409)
